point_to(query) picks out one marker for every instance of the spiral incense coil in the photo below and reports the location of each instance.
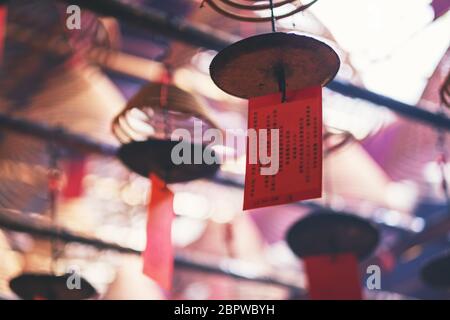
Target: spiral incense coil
(251, 67)
(147, 116)
(145, 126)
(244, 10)
(445, 92)
(327, 232)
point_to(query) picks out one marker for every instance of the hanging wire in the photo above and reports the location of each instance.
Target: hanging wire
(54, 180)
(272, 16)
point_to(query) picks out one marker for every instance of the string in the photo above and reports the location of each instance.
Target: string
(279, 70)
(53, 185)
(272, 16)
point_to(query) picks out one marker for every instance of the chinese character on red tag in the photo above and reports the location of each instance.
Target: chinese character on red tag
(333, 277)
(284, 165)
(158, 255)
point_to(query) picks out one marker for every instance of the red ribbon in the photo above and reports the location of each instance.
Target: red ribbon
(75, 171)
(159, 253)
(3, 23)
(333, 277)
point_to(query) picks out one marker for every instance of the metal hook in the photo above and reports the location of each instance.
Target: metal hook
(281, 78)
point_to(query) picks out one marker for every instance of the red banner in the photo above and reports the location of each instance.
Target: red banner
(3, 23)
(158, 255)
(333, 277)
(75, 170)
(284, 165)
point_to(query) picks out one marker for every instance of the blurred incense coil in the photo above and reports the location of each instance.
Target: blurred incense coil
(79, 99)
(252, 10)
(146, 115)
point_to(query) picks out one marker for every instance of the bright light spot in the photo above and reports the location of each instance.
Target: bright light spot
(186, 230)
(191, 205)
(401, 195)
(417, 224)
(235, 166)
(392, 218)
(433, 174)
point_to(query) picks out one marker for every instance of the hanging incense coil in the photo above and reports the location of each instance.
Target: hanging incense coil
(145, 126)
(154, 156)
(43, 286)
(436, 273)
(326, 232)
(252, 67)
(145, 116)
(445, 92)
(248, 10)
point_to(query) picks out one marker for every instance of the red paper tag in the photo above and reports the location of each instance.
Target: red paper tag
(75, 170)
(299, 151)
(333, 277)
(3, 22)
(158, 254)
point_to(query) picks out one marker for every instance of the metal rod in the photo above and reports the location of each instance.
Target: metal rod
(19, 222)
(416, 113)
(159, 22)
(208, 38)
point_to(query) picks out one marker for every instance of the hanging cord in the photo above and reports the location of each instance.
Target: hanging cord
(166, 79)
(272, 16)
(164, 99)
(279, 69)
(54, 181)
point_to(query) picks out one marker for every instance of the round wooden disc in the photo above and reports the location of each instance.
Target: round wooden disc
(327, 232)
(154, 156)
(436, 273)
(248, 68)
(29, 286)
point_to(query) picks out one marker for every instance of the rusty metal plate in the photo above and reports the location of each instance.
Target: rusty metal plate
(31, 286)
(326, 232)
(436, 273)
(154, 156)
(248, 68)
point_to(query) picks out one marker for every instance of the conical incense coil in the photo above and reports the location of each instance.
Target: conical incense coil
(252, 67)
(248, 10)
(145, 126)
(326, 232)
(146, 115)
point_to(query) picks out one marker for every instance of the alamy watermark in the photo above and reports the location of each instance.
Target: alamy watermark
(73, 20)
(263, 146)
(73, 281)
(373, 281)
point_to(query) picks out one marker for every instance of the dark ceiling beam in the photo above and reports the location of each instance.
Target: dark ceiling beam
(159, 22)
(213, 39)
(67, 140)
